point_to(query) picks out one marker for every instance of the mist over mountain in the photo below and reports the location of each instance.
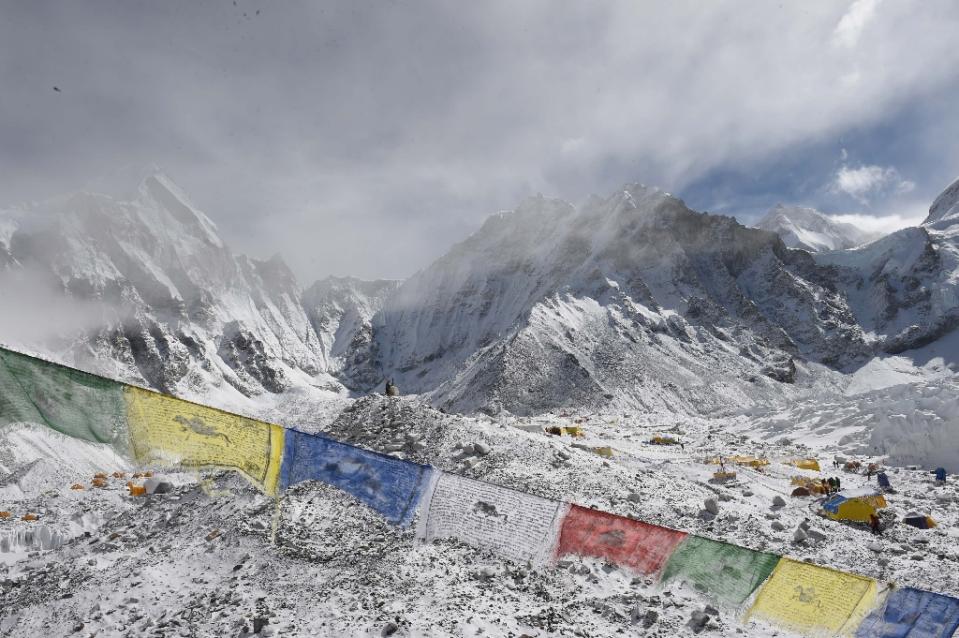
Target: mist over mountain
(177, 310)
(633, 300)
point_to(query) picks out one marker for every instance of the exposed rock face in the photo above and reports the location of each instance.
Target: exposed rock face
(903, 288)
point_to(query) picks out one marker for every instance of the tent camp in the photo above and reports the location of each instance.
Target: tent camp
(750, 461)
(566, 430)
(853, 505)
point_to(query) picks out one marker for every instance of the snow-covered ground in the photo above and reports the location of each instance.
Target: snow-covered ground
(213, 557)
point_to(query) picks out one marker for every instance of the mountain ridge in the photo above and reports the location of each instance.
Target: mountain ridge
(630, 301)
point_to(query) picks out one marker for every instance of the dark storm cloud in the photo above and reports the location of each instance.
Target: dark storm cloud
(364, 137)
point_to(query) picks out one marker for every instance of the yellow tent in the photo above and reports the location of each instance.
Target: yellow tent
(604, 451)
(567, 430)
(751, 461)
(663, 440)
(805, 464)
(853, 506)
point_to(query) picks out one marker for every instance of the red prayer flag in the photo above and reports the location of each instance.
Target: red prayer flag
(623, 541)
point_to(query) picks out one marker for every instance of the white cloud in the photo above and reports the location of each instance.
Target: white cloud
(883, 224)
(850, 27)
(864, 182)
(403, 125)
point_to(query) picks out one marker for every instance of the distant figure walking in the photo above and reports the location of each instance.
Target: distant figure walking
(940, 476)
(874, 524)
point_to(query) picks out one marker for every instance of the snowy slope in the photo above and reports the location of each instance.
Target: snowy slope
(634, 300)
(808, 229)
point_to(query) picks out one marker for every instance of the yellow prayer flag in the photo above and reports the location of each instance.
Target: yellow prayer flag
(170, 431)
(814, 600)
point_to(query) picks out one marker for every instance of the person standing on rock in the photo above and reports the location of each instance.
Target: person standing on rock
(391, 389)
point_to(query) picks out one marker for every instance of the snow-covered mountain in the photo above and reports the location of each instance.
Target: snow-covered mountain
(808, 229)
(904, 288)
(633, 301)
(177, 309)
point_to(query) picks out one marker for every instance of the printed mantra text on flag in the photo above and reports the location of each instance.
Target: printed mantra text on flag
(69, 401)
(726, 572)
(625, 542)
(515, 525)
(390, 486)
(814, 600)
(168, 431)
(912, 613)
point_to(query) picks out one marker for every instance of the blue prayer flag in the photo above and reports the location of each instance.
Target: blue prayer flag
(390, 486)
(912, 613)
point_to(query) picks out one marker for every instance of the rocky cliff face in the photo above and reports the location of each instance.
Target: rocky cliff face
(904, 288)
(944, 212)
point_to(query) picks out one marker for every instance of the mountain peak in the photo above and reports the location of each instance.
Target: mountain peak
(808, 229)
(157, 187)
(944, 211)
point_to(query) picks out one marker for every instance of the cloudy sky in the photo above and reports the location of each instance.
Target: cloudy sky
(363, 138)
